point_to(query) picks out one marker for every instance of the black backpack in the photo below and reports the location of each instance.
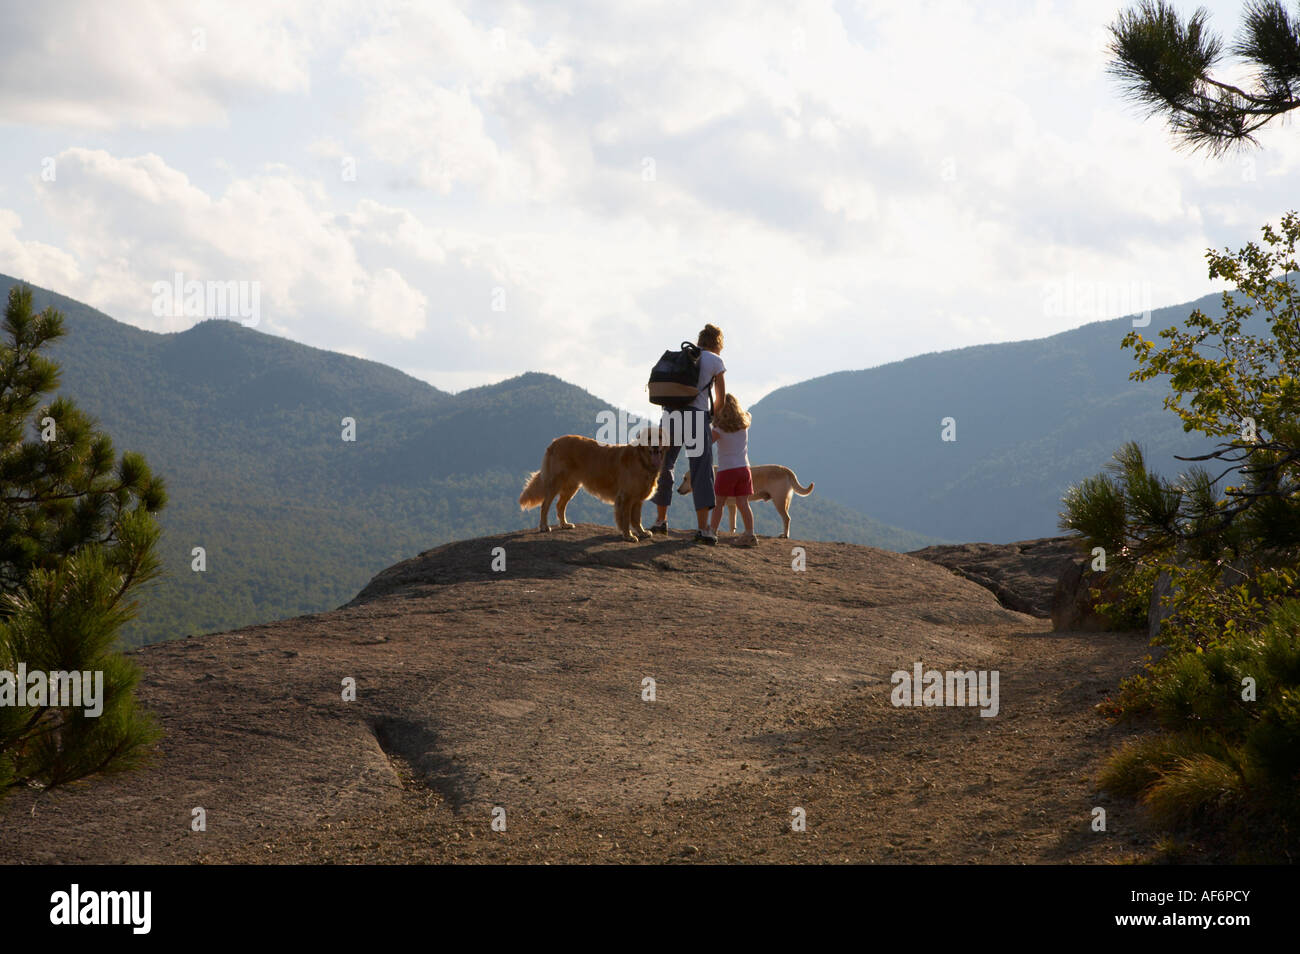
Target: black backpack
(674, 379)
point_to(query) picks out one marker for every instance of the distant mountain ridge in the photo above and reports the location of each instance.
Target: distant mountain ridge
(1031, 417)
(247, 430)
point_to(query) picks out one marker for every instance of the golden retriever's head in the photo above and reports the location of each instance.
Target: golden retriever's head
(646, 456)
(649, 444)
(649, 457)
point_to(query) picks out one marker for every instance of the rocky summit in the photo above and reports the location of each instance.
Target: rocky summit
(571, 697)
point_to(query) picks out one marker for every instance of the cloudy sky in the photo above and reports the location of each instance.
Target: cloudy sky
(468, 191)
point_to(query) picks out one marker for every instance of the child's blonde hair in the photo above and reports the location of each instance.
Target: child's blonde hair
(732, 417)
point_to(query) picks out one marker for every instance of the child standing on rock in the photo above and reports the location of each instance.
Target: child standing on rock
(731, 435)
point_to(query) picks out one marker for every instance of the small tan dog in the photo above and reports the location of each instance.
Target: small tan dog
(624, 475)
(771, 482)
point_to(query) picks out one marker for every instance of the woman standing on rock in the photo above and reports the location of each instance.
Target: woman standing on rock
(696, 424)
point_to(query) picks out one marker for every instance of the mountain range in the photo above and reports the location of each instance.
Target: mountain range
(248, 431)
(1028, 418)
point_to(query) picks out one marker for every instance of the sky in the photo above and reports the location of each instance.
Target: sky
(468, 191)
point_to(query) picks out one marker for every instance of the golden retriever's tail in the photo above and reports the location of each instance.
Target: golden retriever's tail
(801, 491)
(533, 494)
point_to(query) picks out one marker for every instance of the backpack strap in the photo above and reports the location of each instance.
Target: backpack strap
(688, 347)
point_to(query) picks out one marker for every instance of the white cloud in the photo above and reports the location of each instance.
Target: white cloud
(433, 76)
(134, 221)
(392, 306)
(146, 62)
(838, 185)
(35, 262)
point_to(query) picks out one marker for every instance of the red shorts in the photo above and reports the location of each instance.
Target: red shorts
(734, 482)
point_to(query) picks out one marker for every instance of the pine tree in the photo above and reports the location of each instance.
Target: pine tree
(77, 539)
(1167, 66)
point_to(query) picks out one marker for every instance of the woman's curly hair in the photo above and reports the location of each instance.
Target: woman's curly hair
(710, 338)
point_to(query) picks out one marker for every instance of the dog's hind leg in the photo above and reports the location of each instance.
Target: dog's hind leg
(731, 513)
(566, 494)
(546, 508)
(548, 494)
(782, 505)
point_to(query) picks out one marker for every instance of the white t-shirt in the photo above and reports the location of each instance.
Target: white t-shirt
(710, 367)
(733, 449)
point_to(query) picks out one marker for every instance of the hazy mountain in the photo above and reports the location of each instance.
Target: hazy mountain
(246, 428)
(1031, 418)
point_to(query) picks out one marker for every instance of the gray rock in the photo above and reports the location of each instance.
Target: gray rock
(1021, 575)
(1073, 606)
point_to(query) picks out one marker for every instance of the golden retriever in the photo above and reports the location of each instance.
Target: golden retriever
(624, 475)
(771, 482)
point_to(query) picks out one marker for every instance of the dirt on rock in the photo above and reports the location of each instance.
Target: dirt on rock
(614, 702)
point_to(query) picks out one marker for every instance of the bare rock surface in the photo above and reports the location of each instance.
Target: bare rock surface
(524, 690)
(1023, 575)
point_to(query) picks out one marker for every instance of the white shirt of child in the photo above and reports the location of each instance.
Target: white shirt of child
(733, 449)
